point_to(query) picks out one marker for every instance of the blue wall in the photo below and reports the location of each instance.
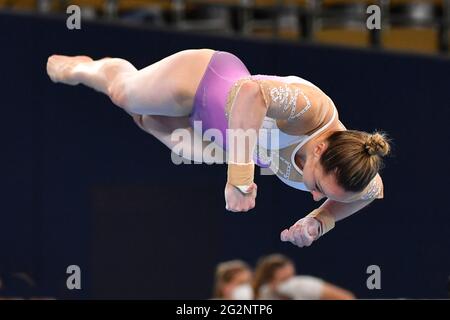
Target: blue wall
(83, 185)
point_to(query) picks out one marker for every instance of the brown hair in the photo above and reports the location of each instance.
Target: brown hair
(266, 268)
(355, 157)
(225, 272)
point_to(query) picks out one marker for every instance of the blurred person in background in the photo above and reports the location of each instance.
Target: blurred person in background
(275, 279)
(233, 281)
(17, 286)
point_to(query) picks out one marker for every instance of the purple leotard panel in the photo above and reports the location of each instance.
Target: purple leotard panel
(223, 70)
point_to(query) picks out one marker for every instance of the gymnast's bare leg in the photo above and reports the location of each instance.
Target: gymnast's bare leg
(158, 97)
(165, 88)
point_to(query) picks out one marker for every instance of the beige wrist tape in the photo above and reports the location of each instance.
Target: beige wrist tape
(241, 174)
(325, 217)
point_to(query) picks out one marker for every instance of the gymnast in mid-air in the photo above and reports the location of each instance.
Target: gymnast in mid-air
(313, 151)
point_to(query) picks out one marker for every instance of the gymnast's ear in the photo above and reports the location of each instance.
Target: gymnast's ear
(319, 149)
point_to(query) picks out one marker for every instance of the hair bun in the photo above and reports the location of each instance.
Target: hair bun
(377, 144)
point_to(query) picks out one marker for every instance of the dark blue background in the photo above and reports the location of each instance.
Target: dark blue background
(81, 184)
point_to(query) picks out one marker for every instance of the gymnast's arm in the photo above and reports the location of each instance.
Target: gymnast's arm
(321, 220)
(342, 210)
(245, 117)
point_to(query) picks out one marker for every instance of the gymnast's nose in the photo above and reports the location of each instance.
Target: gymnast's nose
(317, 196)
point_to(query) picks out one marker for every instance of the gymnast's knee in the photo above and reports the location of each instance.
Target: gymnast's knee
(119, 91)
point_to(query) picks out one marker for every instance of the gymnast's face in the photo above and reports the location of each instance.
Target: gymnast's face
(322, 185)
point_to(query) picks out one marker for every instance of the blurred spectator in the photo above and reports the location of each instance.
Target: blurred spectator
(233, 281)
(275, 279)
(18, 285)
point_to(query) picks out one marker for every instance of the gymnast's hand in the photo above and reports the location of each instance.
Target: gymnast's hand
(303, 232)
(237, 201)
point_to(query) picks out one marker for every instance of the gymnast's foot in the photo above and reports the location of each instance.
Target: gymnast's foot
(61, 68)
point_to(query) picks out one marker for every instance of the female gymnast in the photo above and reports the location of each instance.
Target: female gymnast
(313, 152)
